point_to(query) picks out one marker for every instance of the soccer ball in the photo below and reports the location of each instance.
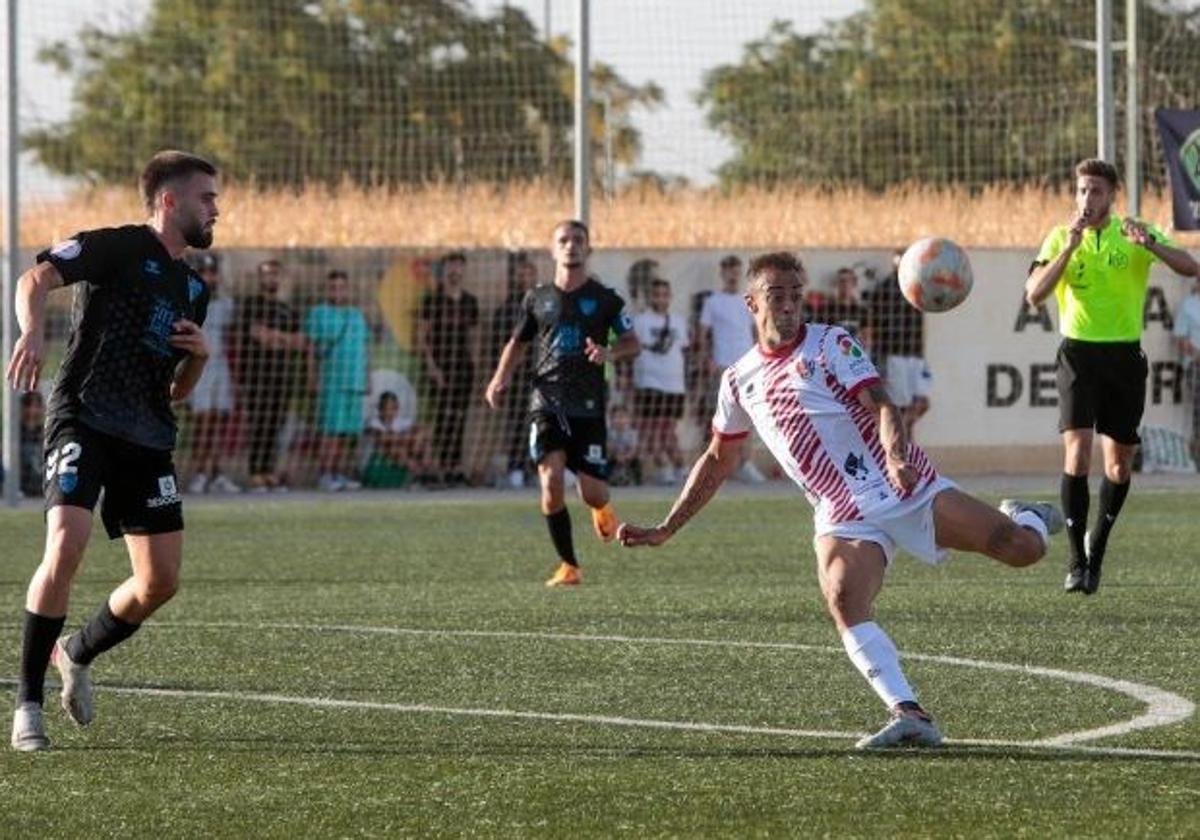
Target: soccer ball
(935, 274)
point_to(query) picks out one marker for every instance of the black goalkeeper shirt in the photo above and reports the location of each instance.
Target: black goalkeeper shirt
(117, 372)
(558, 323)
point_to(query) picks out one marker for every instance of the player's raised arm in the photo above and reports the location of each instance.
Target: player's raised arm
(719, 461)
(25, 366)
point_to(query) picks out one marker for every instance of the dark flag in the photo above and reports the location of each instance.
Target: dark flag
(1180, 133)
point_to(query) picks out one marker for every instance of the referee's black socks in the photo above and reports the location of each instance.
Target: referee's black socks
(559, 524)
(1075, 502)
(1112, 499)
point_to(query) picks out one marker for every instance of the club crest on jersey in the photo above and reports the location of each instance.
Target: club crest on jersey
(587, 306)
(804, 368)
(68, 481)
(152, 268)
(195, 287)
(68, 249)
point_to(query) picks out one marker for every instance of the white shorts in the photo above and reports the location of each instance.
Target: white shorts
(906, 379)
(908, 525)
(214, 390)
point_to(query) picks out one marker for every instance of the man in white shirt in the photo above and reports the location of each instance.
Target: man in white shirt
(726, 332)
(659, 386)
(1187, 331)
(816, 400)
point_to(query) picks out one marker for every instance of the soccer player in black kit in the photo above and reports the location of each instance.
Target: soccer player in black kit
(571, 320)
(135, 345)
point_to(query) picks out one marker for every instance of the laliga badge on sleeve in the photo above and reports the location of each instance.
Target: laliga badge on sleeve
(68, 249)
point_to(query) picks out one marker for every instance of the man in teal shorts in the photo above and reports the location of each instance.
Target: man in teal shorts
(1097, 266)
(337, 333)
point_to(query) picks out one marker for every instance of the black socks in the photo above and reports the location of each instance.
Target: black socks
(102, 632)
(1075, 502)
(37, 642)
(559, 524)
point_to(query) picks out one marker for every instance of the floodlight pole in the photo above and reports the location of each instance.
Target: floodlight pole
(11, 267)
(1133, 147)
(583, 98)
(1105, 120)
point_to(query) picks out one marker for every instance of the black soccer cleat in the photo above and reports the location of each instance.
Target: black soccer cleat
(1076, 578)
(1095, 559)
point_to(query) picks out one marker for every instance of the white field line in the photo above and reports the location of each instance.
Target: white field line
(1163, 707)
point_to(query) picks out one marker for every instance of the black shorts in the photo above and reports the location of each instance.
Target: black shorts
(657, 405)
(141, 493)
(583, 439)
(1103, 386)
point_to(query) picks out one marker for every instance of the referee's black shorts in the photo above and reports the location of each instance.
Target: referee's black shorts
(1102, 385)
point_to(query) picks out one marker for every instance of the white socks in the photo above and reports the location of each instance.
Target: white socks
(877, 659)
(1029, 519)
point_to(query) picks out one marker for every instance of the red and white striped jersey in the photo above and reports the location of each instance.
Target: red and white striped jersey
(802, 400)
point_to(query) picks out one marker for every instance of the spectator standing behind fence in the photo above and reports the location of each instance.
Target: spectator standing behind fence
(212, 399)
(894, 334)
(658, 382)
(1187, 330)
(337, 370)
(844, 310)
(268, 339)
(516, 410)
(33, 419)
(726, 333)
(448, 337)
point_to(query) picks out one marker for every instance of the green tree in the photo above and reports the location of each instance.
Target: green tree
(969, 93)
(286, 92)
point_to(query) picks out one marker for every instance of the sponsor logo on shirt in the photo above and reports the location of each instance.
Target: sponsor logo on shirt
(849, 347)
(803, 368)
(856, 466)
(587, 306)
(152, 268)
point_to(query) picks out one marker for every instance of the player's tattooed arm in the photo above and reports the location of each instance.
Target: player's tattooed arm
(716, 464)
(892, 435)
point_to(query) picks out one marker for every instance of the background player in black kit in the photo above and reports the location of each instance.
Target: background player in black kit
(571, 320)
(135, 346)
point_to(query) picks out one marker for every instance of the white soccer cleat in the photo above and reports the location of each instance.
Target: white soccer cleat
(76, 685)
(198, 484)
(29, 728)
(903, 730)
(1050, 515)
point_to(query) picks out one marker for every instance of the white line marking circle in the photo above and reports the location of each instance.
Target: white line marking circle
(1163, 707)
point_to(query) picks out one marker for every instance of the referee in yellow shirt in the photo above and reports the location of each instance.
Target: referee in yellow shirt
(1098, 267)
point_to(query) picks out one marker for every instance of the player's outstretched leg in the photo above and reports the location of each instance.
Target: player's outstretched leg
(1017, 535)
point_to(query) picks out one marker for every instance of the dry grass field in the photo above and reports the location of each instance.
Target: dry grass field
(519, 216)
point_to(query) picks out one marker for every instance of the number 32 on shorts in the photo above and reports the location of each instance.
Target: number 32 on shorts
(61, 461)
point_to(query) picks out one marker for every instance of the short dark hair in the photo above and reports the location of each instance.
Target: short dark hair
(337, 274)
(170, 165)
(661, 283)
(774, 261)
(271, 263)
(386, 397)
(455, 256)
(575, 223)
(1099, 169)
(731, 260)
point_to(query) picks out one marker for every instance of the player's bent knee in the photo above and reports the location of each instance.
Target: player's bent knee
(1015, 545)
(158, 588)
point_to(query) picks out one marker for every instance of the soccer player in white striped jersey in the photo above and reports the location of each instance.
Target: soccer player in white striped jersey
(815, 399)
